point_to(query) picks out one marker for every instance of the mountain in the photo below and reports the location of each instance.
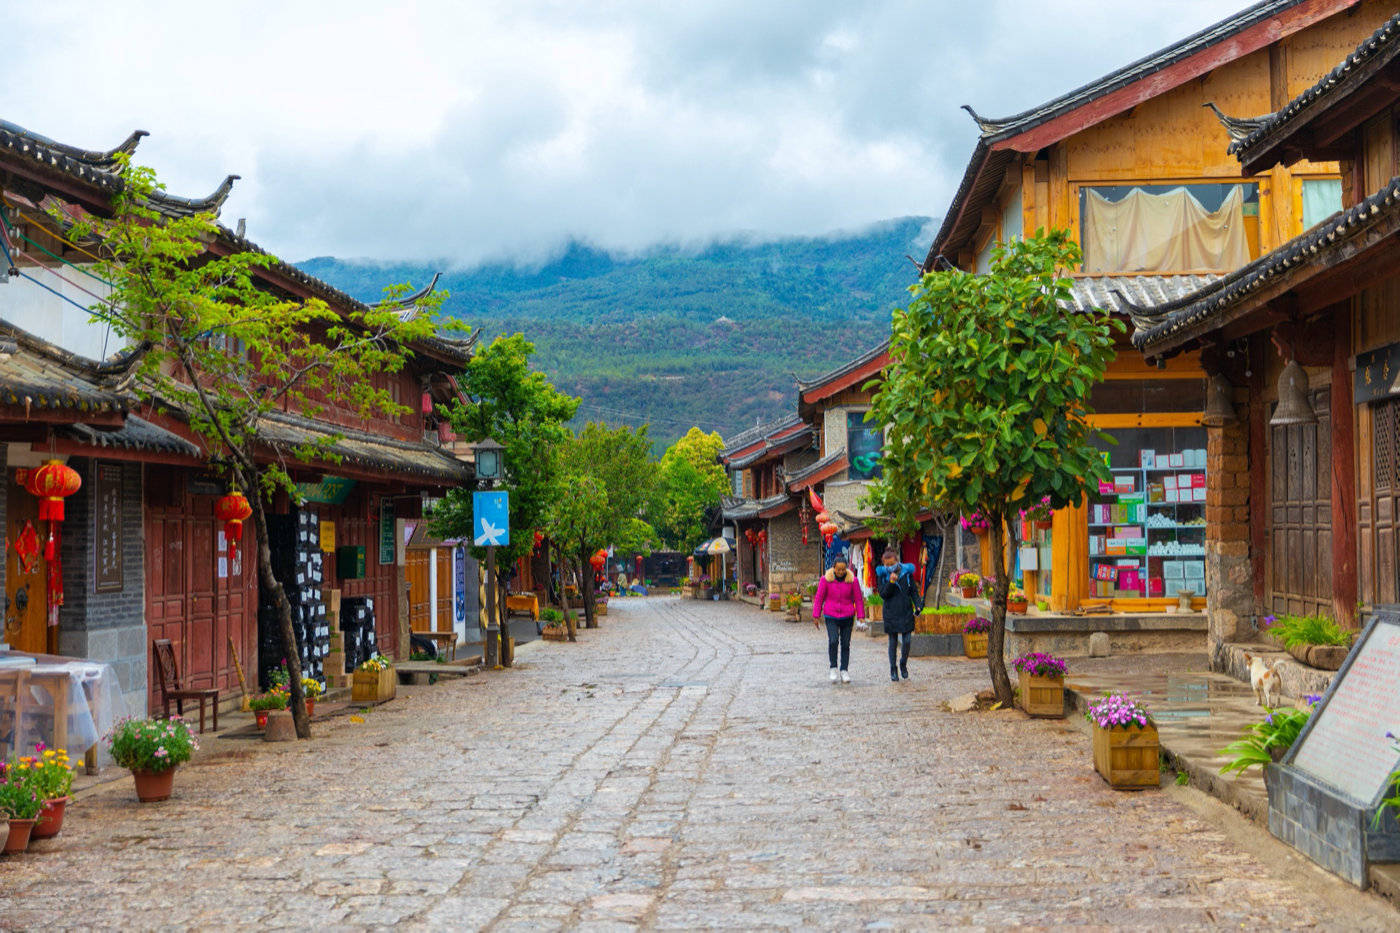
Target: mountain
(711, 336)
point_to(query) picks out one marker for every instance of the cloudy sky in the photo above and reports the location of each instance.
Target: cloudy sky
(466, 130)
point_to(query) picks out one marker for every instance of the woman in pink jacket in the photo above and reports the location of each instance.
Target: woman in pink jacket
(840, 601)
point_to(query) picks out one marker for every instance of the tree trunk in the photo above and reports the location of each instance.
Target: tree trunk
(502, 613)
(996, 639)
(569, 624)
(273, 587)
(590, 620)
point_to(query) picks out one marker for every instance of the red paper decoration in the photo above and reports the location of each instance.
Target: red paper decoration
(751, 535)
(762, 537)
(233, 510)
(598, 560)
(52, 483)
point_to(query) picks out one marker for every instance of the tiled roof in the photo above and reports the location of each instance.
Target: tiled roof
(1160, 323)
(785, 444)
(286, 432)
(759, 432)
(987, 164)
(37, 375)
(846, 369)
(1122, 294)
(1377, 51)
(741, 509)
(835, 460)
(135, 434)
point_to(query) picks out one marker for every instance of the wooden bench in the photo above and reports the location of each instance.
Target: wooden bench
(446, 642)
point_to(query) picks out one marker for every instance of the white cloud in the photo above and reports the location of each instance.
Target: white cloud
(440, 129)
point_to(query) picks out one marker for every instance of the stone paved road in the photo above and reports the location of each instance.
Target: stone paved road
(687, 765)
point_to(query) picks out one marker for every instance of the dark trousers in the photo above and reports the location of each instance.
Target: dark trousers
(838, 633)
(904, 639)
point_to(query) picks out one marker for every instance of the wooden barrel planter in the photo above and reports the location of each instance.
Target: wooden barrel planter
(1128, 757)
(1042, 697)
(373, 686)
(975, 646)
(775, 603)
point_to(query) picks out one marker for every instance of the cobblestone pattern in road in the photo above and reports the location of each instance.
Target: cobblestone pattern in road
(687, 765)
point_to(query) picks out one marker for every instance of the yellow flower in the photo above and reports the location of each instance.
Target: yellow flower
(50, 753)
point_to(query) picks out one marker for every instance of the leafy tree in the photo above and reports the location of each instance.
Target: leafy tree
(223, 351)
(517, 407)
(985, 402)
(610, 471)
(690, 481)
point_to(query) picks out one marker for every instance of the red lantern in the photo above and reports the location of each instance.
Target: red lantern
(823, 518)
(749, 533)
(598, 560)
(762, 537)
(539, 539)
(233, 510)
(52, 482)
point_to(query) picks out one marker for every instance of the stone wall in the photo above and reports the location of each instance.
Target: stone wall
(1230, 604)
(106, 626)
(790, 562)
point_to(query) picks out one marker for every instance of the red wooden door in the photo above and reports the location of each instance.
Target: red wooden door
(26, 580)
(1300, 503)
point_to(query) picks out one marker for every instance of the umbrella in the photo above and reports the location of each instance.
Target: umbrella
(715, 546)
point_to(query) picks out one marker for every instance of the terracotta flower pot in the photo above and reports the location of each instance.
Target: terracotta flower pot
(18, 838)
(970, 592)
(1044, 526)
(1018, 606)
(51, 818)
(154, 786)
(310, 707)
(260, 717)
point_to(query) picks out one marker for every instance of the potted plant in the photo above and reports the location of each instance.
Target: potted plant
(264, 704)
(1042, 678)
(707, 590)
(374, 681)
(152, 749)
(976, 523)
(1316, 641)
(19, 807)
(794, 607)
(975, 636)
(874, 608)
(966, 581)
(1016, 600)
(553, 628)
(312, 689)
(600, 605)
(1270, 739)
(775, 602)
(1127, 751)
(49, 775)
(1040, 514)
(751, 590)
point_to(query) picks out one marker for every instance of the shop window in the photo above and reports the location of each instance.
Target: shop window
(1168, 228)
(1147, 523)
(864, 447)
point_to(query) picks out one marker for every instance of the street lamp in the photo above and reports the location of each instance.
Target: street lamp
(488, 460)
(488, 471)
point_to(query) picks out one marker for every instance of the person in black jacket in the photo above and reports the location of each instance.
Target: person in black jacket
(901, 595)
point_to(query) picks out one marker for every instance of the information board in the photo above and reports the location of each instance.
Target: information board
(1344, 744)
(386, 531)
(107, 504)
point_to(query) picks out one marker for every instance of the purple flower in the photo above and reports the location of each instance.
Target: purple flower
(1268, 621)
(1312, 699)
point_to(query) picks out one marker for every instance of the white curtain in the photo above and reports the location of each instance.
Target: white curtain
(1169, 232)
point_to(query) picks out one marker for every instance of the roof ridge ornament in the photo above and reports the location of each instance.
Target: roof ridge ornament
(1238, 127)
(988, 127)
(175, 205)
(96, 158)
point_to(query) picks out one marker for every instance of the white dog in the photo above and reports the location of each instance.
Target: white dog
(1265, 679)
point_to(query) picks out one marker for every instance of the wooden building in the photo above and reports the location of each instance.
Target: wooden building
(1132, 166)
(1302, 504)
(142, 555)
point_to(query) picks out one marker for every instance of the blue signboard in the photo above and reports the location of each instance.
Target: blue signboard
(490, 519)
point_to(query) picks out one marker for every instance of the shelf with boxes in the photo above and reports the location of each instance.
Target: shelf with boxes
(1146, 523)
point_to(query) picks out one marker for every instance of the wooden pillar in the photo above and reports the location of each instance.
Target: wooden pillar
(1344, 578)
(1259, 468)
(1069, 537)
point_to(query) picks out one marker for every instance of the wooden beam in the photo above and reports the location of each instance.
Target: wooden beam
(1258, 472)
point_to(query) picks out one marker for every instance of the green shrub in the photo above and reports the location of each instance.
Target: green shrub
(1293, 631)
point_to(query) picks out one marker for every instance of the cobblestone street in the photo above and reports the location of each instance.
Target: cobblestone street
(686, 765)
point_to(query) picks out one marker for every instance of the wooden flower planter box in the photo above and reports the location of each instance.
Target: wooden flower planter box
(774, 604)
(1042, 697)
(975, 646)
(1128, 758)
(875, 613)
(373, 686)
(600, 608)
(554, 633)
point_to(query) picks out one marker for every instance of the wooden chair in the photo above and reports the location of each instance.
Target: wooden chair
(168, 676)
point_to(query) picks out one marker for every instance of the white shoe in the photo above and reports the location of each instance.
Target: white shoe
(833, 675)
(845, 677)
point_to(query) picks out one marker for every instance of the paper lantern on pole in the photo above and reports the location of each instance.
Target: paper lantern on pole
(598, 560)
(233, 510)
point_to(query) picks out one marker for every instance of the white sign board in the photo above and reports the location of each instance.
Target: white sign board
(1345, 744)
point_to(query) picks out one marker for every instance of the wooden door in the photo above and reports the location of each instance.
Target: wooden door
(1379, 516)
(1300, 508)
(444, 588)
(26, 581)
(416, 562)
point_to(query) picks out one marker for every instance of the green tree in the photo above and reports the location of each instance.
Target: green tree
(223, 351)
(517, 407)
(985, 402)
(690, 481)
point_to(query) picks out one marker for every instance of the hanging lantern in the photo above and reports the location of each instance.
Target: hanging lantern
(762, 537)
(539, 539)
(598, 560)
(823, 518)
(1220, 407)
(1293, 405)
(233, 510)
(53, 482)
(750, 535)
